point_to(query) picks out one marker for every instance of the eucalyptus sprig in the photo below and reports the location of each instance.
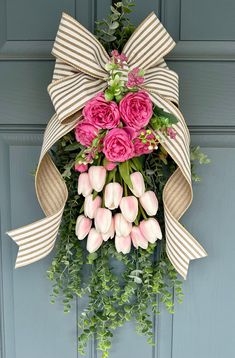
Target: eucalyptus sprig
(114, 31)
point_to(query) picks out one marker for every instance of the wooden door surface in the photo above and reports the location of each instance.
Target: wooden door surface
(204, 325)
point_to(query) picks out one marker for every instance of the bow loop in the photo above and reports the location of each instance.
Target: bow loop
(71, 93)
(76, 46)
(162, 81)
(149, 43)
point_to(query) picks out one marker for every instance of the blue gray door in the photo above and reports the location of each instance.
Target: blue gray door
(204, 325)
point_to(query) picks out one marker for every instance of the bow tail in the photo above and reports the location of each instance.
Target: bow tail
(181, 247)
(37, 240)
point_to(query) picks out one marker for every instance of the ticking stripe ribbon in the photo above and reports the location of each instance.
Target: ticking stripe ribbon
(79, 75)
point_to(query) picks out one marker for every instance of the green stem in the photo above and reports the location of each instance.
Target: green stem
(125, 189)
(143, 212)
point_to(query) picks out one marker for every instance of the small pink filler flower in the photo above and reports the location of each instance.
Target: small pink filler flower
(134, 78)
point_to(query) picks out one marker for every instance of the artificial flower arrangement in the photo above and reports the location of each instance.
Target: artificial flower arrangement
(125, 161)
(117, 129)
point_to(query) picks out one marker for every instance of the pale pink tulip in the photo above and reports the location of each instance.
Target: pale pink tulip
(151, 230)
(123, 244)
(83, 226)
(103, 220)
(97, 176)
(129, 208)
(112, 195)
(137, 181)
(122, 226)
(138, 239)
(94, 241)
(110, 233)
(91, 205)
(149, 202)
(84, 185)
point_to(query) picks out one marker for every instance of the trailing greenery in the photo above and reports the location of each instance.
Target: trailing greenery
(118, 287)
(197, 155)
(113, 297)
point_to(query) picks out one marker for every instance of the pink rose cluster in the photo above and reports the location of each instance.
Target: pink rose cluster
(121, 122)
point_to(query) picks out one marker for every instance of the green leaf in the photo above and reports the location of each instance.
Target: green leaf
(109, 38)
(136, 272)
(92, 257)
(126, 10)
(124, 171)
(159, 112)
(108, 95)
(115, 11)
(136, 279)
(73, 146)
(114, 25)
(137, 164)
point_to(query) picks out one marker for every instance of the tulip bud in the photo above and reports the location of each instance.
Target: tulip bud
(83, 226)
(129, 208)
(94, 241)
(137, 181)
(112, 195)
(97, 176)
(123, 244)
(149, 202)
(84, 185)
(81, 168)
(110, 165)
(110, 233)
(122, 226)
(138, 239)
(151, 230)
(103, 220)
(91, 205)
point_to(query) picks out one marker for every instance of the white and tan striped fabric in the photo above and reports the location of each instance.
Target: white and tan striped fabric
(78, 76)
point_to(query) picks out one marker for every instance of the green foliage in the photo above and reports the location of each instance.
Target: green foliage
(118, 287)
(197, 155)
(114, 31)
(162, 119)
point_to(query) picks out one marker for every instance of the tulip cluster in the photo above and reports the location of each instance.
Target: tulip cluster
(108, 213)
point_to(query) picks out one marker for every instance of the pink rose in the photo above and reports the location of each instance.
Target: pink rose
(85, 133)
(101, 113)
(81, 168)
(118, 146)
(136, 109)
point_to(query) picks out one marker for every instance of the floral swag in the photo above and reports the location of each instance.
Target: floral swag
(122, 178)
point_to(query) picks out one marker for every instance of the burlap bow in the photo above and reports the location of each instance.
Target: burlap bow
(79, 74)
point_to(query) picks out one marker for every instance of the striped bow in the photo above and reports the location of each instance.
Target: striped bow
(79, 74)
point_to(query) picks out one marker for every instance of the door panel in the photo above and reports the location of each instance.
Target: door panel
(203, 325)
